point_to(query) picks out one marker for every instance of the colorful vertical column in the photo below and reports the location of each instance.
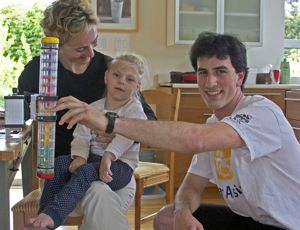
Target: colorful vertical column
(46, 100)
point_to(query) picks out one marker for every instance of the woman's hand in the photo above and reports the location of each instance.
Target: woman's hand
(80, 112)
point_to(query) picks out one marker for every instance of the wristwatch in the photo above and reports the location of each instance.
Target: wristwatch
(111, 117)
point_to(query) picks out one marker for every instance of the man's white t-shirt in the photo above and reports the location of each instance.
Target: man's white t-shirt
(262, 179)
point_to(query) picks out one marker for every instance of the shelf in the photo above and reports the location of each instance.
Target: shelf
(213, 13)
(241, 14)
(196, 12)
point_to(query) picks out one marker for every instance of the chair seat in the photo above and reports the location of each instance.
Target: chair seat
(146, 169)
(31, 203)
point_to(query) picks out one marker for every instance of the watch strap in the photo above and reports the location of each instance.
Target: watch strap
(111, 118)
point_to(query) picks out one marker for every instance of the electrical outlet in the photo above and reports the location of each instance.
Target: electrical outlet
(102, 43)
(122, 43)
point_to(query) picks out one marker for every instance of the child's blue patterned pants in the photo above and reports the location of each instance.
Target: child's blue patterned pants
(62, 193)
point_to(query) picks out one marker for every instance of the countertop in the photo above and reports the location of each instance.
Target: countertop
(256, 86)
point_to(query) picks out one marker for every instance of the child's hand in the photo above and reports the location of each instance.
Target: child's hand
(104, 171)
(78, 161)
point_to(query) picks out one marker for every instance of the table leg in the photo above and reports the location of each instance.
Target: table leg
(27, 171)
(4, 195)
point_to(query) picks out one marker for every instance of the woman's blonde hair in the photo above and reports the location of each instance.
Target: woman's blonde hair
(67, 18)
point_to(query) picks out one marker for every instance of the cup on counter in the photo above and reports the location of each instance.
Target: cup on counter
(276, 76)
(176, 77)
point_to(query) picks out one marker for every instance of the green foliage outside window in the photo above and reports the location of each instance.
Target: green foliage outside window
(292, 31)
(20, 42)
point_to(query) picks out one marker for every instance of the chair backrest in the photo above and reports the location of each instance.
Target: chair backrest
(166, 107)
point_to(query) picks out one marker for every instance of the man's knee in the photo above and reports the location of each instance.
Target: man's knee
(164, 218)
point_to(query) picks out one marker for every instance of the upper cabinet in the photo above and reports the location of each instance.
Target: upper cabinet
(187, 18)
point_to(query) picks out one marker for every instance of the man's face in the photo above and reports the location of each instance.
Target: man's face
(219, 84)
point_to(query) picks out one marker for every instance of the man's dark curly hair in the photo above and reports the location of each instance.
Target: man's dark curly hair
(221, 46)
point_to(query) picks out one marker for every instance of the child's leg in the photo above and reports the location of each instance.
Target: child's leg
(121, 174)
(67, 198)
(61, 177)
(52, 187)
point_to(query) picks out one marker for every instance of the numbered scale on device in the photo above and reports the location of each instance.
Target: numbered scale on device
(42, 105)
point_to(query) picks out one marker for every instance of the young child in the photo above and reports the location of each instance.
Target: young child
(90, 160)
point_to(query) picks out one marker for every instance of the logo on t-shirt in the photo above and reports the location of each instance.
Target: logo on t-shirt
(242, 118)
(222, 160)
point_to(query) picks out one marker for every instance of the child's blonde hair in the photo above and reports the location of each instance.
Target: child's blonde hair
(139, 62)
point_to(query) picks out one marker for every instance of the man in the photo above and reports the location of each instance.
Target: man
(247, 147)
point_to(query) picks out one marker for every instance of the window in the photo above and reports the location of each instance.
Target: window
(292, 35)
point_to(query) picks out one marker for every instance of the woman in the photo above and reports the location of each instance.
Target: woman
(80, 74)
(91, 160)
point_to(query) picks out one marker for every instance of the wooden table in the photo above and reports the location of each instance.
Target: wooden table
(12, 154)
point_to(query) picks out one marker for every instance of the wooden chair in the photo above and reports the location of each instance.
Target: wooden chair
(148, 174)
(29, 205)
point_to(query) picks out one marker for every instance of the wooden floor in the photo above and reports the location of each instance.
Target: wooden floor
(211, 195)
(148, 206)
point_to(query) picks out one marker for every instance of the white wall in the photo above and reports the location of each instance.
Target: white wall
(150, 40)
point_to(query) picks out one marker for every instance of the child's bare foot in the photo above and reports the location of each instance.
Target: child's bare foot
(42, 221)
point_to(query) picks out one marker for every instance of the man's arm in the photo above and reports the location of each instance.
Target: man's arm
(176, 136)
(188, 196)
(187, 200)
(179, 136)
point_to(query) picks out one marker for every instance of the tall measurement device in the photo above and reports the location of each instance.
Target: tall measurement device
(42, 104)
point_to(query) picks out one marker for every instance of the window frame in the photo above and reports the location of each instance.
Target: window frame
(291, 43)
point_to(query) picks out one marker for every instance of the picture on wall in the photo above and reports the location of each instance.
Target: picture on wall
(116, 15)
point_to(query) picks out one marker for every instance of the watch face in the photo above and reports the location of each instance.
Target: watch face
(111, 114)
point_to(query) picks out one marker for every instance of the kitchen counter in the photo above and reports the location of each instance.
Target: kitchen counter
(256, 86)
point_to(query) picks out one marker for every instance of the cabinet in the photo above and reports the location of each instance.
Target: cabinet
(275, 95)
(187, 18)
(293, 110)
